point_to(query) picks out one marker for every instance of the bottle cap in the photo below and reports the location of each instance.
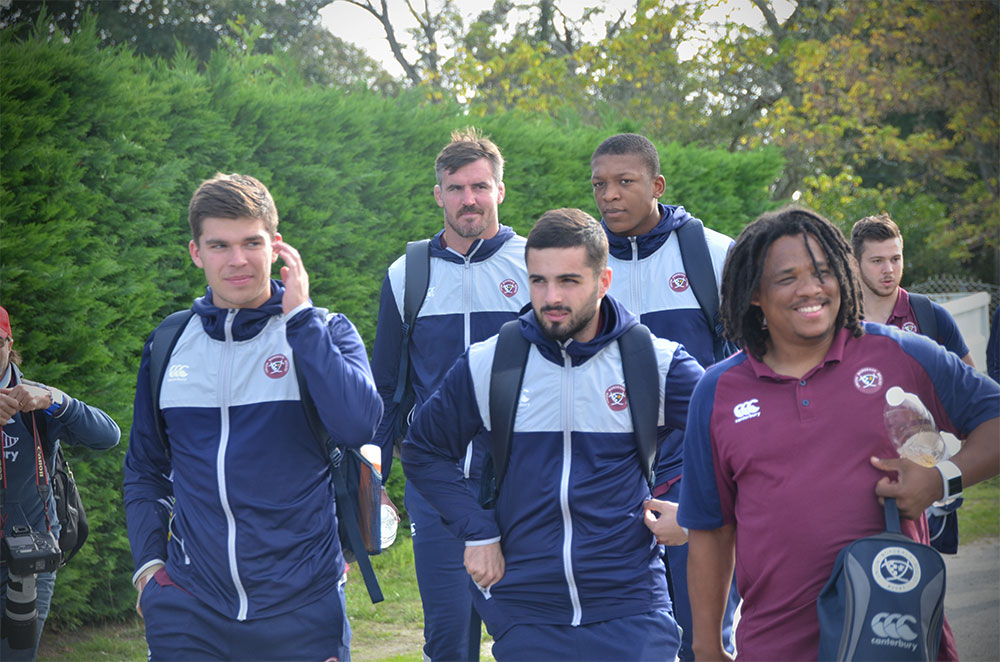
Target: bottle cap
(373, 454)
(895, 396)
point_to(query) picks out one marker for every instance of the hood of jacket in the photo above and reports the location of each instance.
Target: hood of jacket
(671, 218)
(615, 320)
(248, 322)
(480, 250)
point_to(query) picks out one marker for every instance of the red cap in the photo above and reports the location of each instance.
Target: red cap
(5, 323)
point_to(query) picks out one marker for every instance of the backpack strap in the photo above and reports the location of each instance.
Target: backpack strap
(923, 310)
(701, 276)
(642, 377)
(642, 387)
(509, 360)
(346, 501)
(160, 348)
(417, 278)
(892, 516)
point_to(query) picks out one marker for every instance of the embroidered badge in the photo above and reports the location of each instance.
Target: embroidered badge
(909, 327)
(616, 398)
(746, 410)
(276, 366)
(868, 380)
(679, 282)
(508, 287)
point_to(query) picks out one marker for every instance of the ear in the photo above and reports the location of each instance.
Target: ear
(659, 186)
(604, 282)
(195, 255)
(437, 195)
(274, 253)
(501, 192)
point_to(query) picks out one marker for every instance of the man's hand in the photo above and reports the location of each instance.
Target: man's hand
(23, 397)
(485, 564)
(661, 519)
(140, 583)
(914, 488)
(294, 275)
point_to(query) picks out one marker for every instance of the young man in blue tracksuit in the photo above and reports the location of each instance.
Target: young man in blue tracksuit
(477, 282)
(563, 567)
(35, 419)
(233, 526)
(651, 280)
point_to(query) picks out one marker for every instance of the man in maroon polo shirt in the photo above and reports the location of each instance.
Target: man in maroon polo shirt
(878, 248)
(785, 452)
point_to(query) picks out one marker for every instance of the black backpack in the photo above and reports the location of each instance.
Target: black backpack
(357, 484)
(642, 388)
(69, 509)
(415, 282)
(701, 276)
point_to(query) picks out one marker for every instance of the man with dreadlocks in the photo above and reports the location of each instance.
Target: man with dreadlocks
(786, 453)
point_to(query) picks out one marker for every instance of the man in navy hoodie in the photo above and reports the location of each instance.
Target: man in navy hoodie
(651, 280)
(232, 523)
(563, 568)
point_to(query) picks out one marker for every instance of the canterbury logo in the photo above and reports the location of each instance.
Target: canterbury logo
(745, 410)
(894, 626)
(177, 371)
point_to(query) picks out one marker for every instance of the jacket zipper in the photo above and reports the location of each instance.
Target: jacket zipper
(567, 428)
(636, 281)
(220, 463)
(467, 328)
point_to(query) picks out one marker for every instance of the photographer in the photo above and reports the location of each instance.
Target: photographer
(34, 419)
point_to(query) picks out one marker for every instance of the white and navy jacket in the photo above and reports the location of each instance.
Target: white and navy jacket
(650, 280)
(569, 513)
(254, 526)
(469, 297)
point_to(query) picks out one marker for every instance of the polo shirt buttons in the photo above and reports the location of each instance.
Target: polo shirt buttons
(802, 383)
(805, 403)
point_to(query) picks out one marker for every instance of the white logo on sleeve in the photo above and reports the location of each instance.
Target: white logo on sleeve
(745, 410)
(178, 372)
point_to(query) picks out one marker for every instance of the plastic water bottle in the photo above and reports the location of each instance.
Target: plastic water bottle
(388, 517)
(912, 429)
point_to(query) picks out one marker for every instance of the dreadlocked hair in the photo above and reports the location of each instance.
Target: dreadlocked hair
(744, 321)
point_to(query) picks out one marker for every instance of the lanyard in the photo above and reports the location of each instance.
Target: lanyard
(42, 484)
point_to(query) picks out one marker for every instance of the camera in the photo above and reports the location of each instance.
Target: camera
(26, 553)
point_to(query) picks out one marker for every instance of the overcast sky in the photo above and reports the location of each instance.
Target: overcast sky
(357, 26)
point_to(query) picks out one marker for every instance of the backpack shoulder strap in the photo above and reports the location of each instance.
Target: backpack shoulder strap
(416, 280)
(642, 376)
(347, 504)
(509, 360)
(162, 346)
(923, 310)
(701, 276)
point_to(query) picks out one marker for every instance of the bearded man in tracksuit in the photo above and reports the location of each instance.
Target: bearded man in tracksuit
(563, 567)
(246, 564)
(476, 283)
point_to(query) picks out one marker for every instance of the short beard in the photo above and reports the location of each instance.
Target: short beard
(567, 331)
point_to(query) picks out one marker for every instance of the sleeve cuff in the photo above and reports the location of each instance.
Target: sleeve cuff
(480, 543)
(146, 566)
(299, 308)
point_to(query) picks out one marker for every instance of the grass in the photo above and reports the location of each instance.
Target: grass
(979, 516)
(392, 631)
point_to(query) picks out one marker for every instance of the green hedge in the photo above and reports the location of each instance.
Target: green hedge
(100, 151)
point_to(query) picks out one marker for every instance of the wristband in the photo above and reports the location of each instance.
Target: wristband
(951, 477)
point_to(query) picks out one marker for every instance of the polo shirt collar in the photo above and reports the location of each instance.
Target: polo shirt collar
(834, 355)
(901, 310)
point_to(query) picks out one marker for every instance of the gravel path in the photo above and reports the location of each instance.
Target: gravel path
(972, 601)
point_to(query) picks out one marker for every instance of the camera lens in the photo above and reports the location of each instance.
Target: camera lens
(20, 618)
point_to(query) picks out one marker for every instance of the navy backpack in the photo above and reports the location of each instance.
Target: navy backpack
(884, 599)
